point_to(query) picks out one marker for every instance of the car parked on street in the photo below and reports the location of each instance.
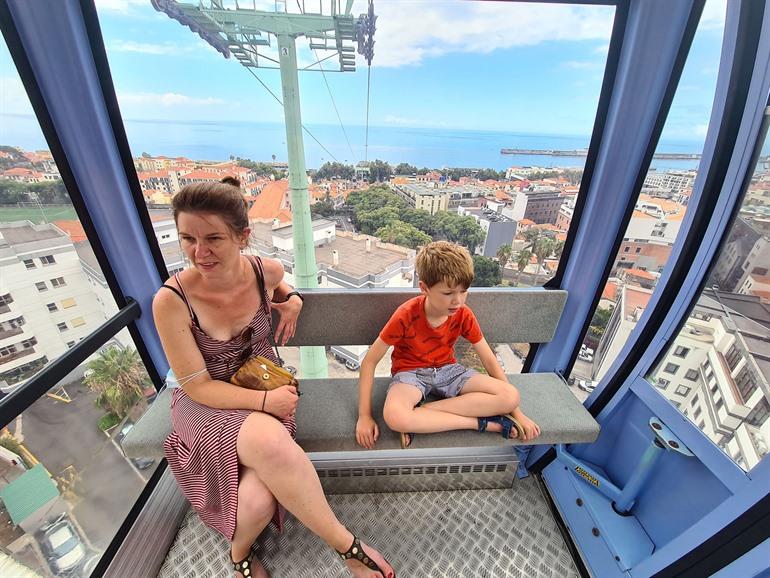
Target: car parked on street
(139, 463)
(61, 546)
(586, 353)
(586, 385)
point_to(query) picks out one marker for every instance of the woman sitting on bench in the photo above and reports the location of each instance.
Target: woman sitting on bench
(232, 450)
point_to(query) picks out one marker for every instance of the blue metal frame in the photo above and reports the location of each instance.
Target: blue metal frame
(55, 40)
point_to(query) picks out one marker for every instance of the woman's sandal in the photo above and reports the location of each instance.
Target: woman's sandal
(507, 422)
(356, 552)
(244, 566)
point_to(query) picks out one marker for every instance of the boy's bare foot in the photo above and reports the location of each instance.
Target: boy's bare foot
(359, 570)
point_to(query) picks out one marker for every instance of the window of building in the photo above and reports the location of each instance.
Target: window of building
(52, 307)
(67, 303)
(70, 344)
(62, 326)
(746, 383)
(691, 375)
(6, 299)
(671, 368)
(695, 400)
(701, 425)
(733, 357)
(759, 414)
(41, 286)
(696, 413)
(58, 282)
(638, 250)
(29, 264)
(719, 403)
(47, 260)
(626, 249)
(662, 383)
(77, 322)
(680, 351)
(27, 343)
(7, 350)
(682, 390)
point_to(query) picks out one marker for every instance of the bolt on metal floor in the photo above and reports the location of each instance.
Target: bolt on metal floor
(457, 534)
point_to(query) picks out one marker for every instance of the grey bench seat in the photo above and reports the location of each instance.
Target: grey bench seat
(328, 409)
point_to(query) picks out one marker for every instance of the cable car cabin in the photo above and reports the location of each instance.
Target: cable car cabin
(621, 276)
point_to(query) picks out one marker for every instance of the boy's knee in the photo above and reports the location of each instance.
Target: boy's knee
(511, 398)
(396, 417)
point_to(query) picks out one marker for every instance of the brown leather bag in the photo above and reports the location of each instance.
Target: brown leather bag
(262, 374)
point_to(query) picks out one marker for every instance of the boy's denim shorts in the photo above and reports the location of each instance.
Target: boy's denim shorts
(444, 381)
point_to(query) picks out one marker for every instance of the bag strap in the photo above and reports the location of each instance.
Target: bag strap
(256, 264)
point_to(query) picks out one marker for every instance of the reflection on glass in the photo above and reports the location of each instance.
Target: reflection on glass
(658, 214)
(717, 371)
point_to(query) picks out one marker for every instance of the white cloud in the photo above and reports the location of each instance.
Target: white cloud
(713, 16)
(166, 48)
(122, 6)
(409, 32)
(13, 97)
(166, 99)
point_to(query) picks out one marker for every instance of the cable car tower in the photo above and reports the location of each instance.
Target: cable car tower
(246, 33)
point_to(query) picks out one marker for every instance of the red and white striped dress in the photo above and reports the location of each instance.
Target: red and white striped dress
(201, 449)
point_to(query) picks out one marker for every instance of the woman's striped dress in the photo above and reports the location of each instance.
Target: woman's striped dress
(201, 449)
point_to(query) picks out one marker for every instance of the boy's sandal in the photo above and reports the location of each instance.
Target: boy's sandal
(244, 566)
(508, 424)
(406, 440)
(356, 552)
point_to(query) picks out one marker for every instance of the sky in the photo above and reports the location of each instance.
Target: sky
(490, 66)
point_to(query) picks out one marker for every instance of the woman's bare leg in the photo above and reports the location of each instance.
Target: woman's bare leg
(256, 506)
(266, 447)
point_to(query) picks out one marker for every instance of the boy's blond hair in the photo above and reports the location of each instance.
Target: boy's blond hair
(443, 261)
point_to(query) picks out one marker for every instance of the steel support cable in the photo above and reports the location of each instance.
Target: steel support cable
(368, 85)
(344, 132)
(278, 100)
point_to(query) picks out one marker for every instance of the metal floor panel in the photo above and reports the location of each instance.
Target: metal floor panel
(458, 534)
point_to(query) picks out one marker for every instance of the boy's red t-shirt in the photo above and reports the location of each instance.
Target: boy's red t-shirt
(416, 344)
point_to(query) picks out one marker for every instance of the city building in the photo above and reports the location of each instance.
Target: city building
(46, 302)
(670, 181)
(543, 205)
(425, 195)
(498, 229)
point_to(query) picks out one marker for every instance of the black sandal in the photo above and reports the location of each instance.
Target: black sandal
(356, 552)
(508, 424)
(244, 566)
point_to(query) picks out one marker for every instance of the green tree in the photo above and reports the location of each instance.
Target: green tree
(379, 171)
(339, 170)
(523, 258)
(404, 234)
(486, 272)
(504, 255)
(370, 222)
(542, 250)
(118, 377)
(323, 208)
(599, 322)
(405, 169)
(419, 218)
(469, 233)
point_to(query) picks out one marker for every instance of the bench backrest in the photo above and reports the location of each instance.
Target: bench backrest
(355, 317)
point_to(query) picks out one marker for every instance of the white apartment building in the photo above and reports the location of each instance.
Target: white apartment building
(673, 181)
(717, 372)
(46, 302)
(515, 211)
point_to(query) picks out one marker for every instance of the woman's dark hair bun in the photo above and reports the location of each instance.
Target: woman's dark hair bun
(231, 181)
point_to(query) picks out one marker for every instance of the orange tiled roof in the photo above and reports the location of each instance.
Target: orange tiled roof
(203, 175)
(610, 291)
(74, 229)
(270, 201)
(640, 273)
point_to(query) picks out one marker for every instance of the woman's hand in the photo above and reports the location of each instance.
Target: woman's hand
(282, 401)
(288, 311)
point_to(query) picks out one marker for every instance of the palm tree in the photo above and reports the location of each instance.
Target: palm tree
(117, 375)
(543, 249)
(503, 256)
(523, 258)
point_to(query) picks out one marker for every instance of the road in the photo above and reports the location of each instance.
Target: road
(61, 435)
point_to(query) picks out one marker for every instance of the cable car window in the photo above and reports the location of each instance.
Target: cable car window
(479, 138)
(657, 216)
(65, 484)
(728, 335)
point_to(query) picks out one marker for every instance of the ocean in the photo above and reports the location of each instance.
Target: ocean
(421, 147)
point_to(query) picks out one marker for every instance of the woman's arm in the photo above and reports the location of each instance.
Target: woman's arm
(288, 309)
(172, 320)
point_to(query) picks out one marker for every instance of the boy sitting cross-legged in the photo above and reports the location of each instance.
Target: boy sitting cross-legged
(423, 332)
